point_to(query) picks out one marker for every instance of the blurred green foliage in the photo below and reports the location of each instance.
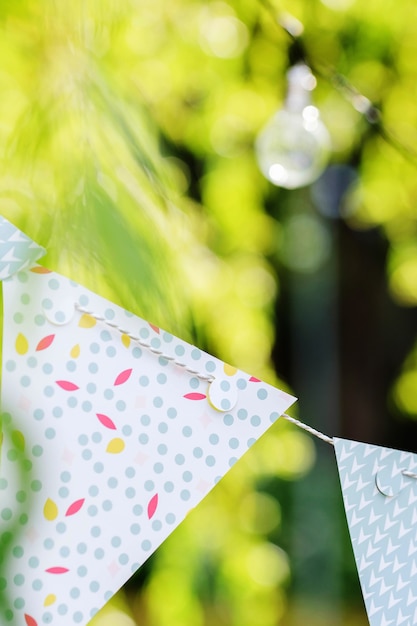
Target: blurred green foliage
(126, 149)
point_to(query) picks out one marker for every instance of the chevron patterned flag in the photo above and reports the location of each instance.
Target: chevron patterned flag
(17, 251)
(380, 496)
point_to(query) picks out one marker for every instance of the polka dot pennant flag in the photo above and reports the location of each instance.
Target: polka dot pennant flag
(112, 431)
(380, 495)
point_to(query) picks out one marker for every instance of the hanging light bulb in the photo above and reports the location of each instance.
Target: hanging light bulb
(294, 146)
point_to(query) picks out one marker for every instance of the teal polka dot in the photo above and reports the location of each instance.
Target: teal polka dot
(86, 406)
(169, 486)
(198, 453)
(50, 433)
(57, 411)
(158, 468)
(144, 381)
(251, 441)
(130, 472)
(155, 343)
(187, 431)
(96, 437)
(241, 383)
(225, 385)
(228, 420)
(82, 571)
(185, 495)
(144, 333)
(162, 379)
(91, 388)
(9, 615)
(63, 492)
(123, 559)
(146, 545)
(121, 405)
(25, 298)
(130, 492)
(107, 505)
(179, 350)
(158, 402)
(81, 548)
(36, 485)
(225, 404)
(49, 391)
(33, 562)
(108, 394)
(78, 617)
(64, 552)
(99, 553)
(196, 354)
(136, 353)
(47, 368)
(162, 427)
(162, 449)
(62, 609)
(170, 518)
(135, 529)
(273, 417)
(10, 366)
(61, 528)
(87, 454)
(37, 584)
(83, 440)
(47, 304)
(143, 439)
(21, 496)
(105, 335)
(92, 510)
(37, 450)
(32, 362)
(112, 482)
(12, 455)
(40, 320)
(127, 430)
(95, 348)
(255, 420)
(242, 414)
(149, 485)
(93, 368)
(75, 593)
(72, 402)
(25, 381)
(167, 337)
(194, 383)
(71, 366)
(23, 519)
(137, 510)
(214, 439)
(232, 461)
(210, 460)
(53, 284)
(233, 443)
(262, 394)
(6, 538)
(116, 542)
(3, 483)
(187, 477)
(179, 459)
(111, 352)
(210, 366)
(156, 525)
(65, 477)
(18, 318)
(172, 413)
(145, 420)
(49, 543)
(94, 586)
(109, 314)
(18, 552)
(19, 580)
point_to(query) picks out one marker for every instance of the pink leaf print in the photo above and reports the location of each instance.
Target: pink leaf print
(66, 385)
(57, 570)
(195, 396)
(30, 621)
(106, 421)
(45, 342)
(252, 379)
(123, 377)
(155, 328)
(75, 507)
(152, 505)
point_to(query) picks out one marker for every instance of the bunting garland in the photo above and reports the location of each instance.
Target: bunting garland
(114, 429)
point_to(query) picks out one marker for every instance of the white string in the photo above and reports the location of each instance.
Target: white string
(309, 429)
(145, 344)
(206, 377)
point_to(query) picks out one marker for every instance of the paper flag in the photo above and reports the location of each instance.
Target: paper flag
(17, 251)
(380, 496)
(108, 443)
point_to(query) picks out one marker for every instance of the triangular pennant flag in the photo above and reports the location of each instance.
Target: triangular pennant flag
(381, 518)
(17, 251)
(113, 430)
